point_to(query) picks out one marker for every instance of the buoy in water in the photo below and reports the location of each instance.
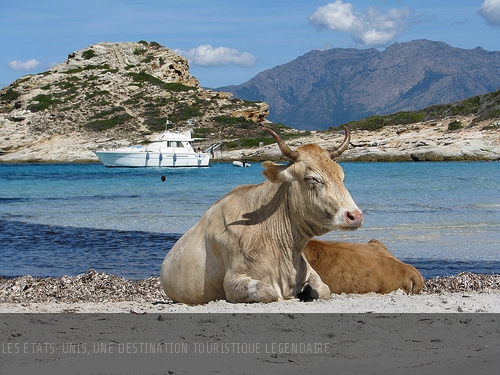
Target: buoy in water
(163, 178)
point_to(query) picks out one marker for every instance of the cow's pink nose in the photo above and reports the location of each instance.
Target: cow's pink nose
(354, 219)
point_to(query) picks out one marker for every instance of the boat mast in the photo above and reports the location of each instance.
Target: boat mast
(168, 122)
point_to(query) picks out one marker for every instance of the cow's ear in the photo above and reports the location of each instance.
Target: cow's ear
(276, 172)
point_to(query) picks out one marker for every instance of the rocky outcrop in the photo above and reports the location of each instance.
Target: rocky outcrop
(113, 94)
(427, 141)
(423, 141)
(151, 58)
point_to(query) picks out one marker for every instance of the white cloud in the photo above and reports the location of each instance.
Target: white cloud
(24, 65)
(366, 28)
(490, 11)
(206, 55)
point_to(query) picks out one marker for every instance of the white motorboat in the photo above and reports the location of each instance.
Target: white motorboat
(169, 149)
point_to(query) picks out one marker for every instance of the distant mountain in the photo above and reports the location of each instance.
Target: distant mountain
(328, 88)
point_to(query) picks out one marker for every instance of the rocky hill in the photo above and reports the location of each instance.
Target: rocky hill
(113, 94)
(328, 88)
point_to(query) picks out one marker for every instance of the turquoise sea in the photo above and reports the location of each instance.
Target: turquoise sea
(62, 219)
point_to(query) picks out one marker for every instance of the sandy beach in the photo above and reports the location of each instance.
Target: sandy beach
(99, 292)
(395, 302)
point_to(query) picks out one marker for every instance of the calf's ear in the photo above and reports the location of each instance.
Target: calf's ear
(276, 173)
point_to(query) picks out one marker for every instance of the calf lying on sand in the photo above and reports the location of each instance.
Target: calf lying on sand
(348, 267)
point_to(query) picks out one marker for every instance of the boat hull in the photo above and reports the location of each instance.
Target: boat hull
(152, 159)
(237, 163)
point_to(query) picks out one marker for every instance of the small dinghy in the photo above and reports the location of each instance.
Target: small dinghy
(243, 163)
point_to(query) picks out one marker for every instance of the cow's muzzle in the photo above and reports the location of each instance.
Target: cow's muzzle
(353, 219)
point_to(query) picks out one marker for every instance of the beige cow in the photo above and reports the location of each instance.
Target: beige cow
(248, 246)
(348, 267)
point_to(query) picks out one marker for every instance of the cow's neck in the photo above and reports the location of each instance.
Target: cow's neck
(290, 233)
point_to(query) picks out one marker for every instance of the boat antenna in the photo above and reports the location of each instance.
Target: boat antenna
(168, 122)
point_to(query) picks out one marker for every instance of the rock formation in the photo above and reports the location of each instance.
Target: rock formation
(112, 94)
(422, 141)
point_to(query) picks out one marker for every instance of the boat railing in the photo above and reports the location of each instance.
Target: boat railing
(213, 147)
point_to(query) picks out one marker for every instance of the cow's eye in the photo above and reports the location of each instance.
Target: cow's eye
(313, 180)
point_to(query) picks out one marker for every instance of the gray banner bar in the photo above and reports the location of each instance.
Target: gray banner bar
(249, 343)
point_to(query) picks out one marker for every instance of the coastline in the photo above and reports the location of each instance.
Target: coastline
(425, 141)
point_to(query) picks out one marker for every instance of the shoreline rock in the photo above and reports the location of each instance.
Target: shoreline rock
(427, 141)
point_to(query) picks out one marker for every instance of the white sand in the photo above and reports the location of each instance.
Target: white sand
(395, 302)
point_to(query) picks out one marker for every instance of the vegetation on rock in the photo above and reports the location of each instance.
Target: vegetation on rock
(482, 107)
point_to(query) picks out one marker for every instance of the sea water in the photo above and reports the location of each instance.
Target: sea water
(62, 219)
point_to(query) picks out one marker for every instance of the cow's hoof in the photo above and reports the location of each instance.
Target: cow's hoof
(306, 295)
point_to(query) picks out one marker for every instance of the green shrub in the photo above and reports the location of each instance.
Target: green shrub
(230, 120)
(145, 77)
(369, 123)
(185, 112)
(105, 124)
(155, 124)
(73, 71)
(91, 95)
(404, 118)
(42, 102)
(494, 113)
(91, 67)
(108, 112)
(99, 103)
(151, 112)
(201, 132)
(455, 125)
(249, 142)
(88, 54)
(178, 87)
(10, 95)
(148, 58)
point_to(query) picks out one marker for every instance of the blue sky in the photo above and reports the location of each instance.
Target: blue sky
(230, 41)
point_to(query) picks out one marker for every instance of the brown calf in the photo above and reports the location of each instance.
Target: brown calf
(361, 268)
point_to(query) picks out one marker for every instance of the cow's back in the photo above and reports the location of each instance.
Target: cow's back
(361, 268)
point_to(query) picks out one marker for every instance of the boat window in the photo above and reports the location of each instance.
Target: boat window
(175, 144)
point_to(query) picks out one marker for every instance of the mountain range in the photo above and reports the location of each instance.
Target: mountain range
(328, 88)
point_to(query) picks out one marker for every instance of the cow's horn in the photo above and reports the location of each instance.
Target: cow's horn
(285, 150)
(345, 143)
